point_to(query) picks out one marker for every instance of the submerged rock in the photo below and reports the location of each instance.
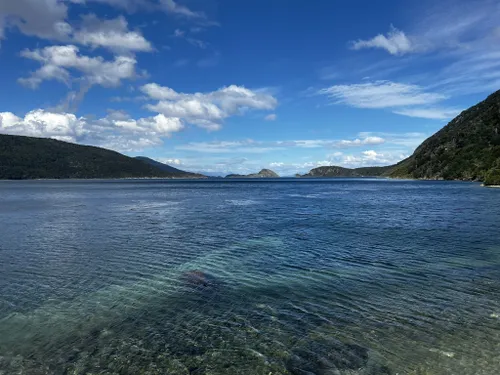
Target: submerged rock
(197, 279)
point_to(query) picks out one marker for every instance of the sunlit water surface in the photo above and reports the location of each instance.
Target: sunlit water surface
(330, 277)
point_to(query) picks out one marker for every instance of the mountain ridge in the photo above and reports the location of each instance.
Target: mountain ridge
(466, 149)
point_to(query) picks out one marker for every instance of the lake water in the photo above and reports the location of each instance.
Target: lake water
(326, 277)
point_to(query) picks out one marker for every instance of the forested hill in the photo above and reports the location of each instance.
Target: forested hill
(36, 158)
(468, 148)
(335, 171)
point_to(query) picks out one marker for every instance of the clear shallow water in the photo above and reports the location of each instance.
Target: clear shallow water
(322, 277)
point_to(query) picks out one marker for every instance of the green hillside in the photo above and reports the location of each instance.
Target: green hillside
(468, 148)
(34, 158)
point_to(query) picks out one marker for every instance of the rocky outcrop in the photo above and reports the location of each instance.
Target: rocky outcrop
(264, 173)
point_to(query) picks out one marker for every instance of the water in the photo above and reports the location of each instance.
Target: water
(326, 277)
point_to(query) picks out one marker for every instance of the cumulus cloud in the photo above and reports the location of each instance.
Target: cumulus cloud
(271, 117)
(117, 130)
(57, 61)
(395, 42)
(40, 18)
(47, 19)
(111, 34)
(207, 110)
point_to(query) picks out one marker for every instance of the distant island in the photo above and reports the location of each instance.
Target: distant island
(264, 173)
(467, 149)
(24, 158)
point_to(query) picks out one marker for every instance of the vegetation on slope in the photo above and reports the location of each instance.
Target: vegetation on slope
(492, 177)
(34, 158)
(335, 171)
(468, 148)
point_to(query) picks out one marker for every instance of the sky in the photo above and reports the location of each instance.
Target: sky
(234, 86)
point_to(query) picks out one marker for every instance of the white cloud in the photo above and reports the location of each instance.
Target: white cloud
(403, 99)
(409, 141)
(41, 18)
(380, 94)
(177, 162)
(117, 130)
(271, 117)
(169, 6)
(173, 7)
(461, 50)
(429, 113)
(47, 19)
(224, 147)
(112, 34)
(207, 110)
(370, 140)
(396, 43)
(58, 60)
(370, 158)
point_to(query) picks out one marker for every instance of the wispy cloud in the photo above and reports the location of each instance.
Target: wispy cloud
(395, 42)
(224, 147)
(380, 94)
(271, 117)
(181, 34)
(453, 47)
(173, 7)
(429, 113)
(403, 99)
(253, 146)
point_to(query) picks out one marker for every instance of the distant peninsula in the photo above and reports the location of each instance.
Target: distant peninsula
(264, 173)
(335, 171)
(23, 158)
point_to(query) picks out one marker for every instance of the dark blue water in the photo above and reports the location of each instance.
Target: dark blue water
(322, 277)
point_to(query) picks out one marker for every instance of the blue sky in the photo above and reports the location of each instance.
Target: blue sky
(235, 86)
